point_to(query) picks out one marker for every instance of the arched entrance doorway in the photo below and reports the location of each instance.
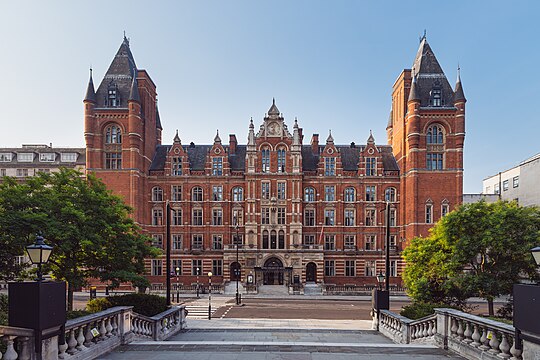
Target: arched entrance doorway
(311, 272)
(273, 272)
(236, 271)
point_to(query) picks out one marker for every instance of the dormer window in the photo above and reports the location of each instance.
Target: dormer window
(436, 97)
(113, 97)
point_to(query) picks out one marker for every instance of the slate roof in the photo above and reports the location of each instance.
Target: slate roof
(429, 74)
(350, 157)
(120, 73)
(36, 150)
(90, 92)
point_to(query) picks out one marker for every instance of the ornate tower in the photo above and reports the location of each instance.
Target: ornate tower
(122, 128)
(427, 131)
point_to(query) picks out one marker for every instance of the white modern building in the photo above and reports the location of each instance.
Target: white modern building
(520, 183)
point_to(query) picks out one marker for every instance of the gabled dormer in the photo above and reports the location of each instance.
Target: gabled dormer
(177, 163)
(330, 159)
(217, 160)
(370, 163)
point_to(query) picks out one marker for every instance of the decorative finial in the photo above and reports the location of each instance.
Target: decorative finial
(90, 70)
(273, 101)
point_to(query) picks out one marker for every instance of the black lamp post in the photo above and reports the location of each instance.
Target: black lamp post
(198, 272)
(209, 295)
(177, 284)
(39, 254)
(237, 268)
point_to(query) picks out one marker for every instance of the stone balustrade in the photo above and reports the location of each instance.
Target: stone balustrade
(404, 331)
(91, 336)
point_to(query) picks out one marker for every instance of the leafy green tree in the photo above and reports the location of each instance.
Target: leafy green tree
(480, 249)
(90, 229)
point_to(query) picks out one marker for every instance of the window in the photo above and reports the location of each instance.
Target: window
(157, 193)
(370, 268)
(329, 217)
(176, 267)
(281, 186)
(434, 161)
(113, 160)
(505, 185)
(281, 216)
(177, 242)
(176, 193)
(176, 166)
(445, 209)
(6, 157)
(329, 193)
(25, 157)
(22, 172)
(265, 158)
(217, 166)
(281, 160)
(429, 213)
(329, 242)
(265, 216)
(393, 242)
(371, 166)
(47, 157)
(113, 135)
(497, 189)
(265, 240)
(217, 217)
(390, 194)
(196, 267)
(309, 239)
(237, 217)
(349, 242)
(197, 242)
(370, 217)
(309, 194)
(273, 240)
(329, 166)
(265, 190)
(217, 242)
(392, 217)
(350, 268)
(217, 193)
(370, 243)
(435, 135)
(157, 267)
(436, 97)
(238, 239)
(329, 268)
(113, 98)
(281, 239)
(309, 217)
(349, 217)
(238, 194)
(197, 217)
(157, 240)
(393, 267)
(370, 193)
(515, 181)
(176, 216)
(3, 172)
(157, 217)
(197, 194)
(217, 267)
(350, 194)
(68, 157)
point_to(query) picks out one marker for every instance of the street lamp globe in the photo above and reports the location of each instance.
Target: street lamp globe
(536, 255)
(380, 277)
(209, 274)
(177, 270)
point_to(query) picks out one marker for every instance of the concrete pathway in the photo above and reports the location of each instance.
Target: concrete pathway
(238, 323)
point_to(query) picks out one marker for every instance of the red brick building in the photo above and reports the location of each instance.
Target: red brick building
(304, 212)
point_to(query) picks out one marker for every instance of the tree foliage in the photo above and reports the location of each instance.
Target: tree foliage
(480, 250)
(90, 229)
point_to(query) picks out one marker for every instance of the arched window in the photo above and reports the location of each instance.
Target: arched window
(349, 194)
(157, 194)
(390, 194)
(281, 239)
(238, 194)
(265, 244)
(435, 135)
(273, 240)
(265, 158)
(309, 194)
(113, 135)
(197, 194)
(281, 160)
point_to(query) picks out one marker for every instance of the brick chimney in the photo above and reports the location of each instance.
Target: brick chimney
(315, 143)
(232, 144)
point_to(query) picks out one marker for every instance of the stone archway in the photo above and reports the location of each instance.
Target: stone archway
(273, 271)
(311, 272)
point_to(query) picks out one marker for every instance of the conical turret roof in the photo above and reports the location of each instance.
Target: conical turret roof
(459, 95)
(273, 109)
(90, 92)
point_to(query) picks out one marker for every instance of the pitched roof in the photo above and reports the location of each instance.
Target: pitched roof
(120, 73)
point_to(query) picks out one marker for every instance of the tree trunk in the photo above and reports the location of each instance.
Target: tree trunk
(70, 297)
(490, 306)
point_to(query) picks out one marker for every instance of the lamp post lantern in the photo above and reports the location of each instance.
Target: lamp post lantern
(237, 267)
(39, 254)
(198, 272)
(536, 255)
(380, 279)
(209, 295)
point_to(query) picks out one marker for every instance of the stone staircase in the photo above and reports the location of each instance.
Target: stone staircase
(312, 289)
(230, 288)
(273, 290)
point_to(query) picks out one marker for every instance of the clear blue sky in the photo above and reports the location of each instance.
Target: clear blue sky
(329, 63)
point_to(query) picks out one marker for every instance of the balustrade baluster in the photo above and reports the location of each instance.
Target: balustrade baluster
(414, 334)
(454, 327)
(504, 347)
(493, 342)
(476, 336)
(434, 327)
(80, 339)
(115, 325)
(484, 339)
(10, 353)
(468, 333)
(88, 337)
(108, 327)
(72, 343)
(429, 328)
(460, 330)
(424, 330)
(62, 350)
(102, 329)
(516, 354)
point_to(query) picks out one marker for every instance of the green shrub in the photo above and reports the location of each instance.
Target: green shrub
(73, 314)
(3, 309)
(418, 310)
(144, 304)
